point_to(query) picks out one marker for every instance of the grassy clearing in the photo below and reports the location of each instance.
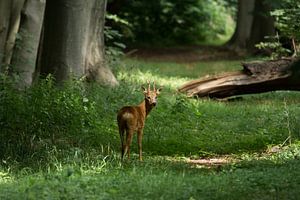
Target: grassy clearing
(273, 177)
(82, 161)
(181, 126)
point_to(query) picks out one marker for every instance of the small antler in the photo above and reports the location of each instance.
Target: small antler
(148, 85)
(154, 86)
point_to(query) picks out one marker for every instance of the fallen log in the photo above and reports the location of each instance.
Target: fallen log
(255, 77)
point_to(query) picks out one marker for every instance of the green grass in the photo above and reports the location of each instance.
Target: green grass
(169, 70)
(274, 177)
(82, 161)
(181, 126)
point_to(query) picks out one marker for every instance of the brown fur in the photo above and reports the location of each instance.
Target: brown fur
(132, 119)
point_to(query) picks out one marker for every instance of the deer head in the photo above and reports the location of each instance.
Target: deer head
(151, 95)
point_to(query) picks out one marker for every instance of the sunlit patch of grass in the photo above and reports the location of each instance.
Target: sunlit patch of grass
(182, 70)
(5, 177)
(138, 77)
(171, 75)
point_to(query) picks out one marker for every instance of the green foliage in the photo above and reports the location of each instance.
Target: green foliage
(35, 121)
(113, 38)
(287, 20)
(275, 46)
(176, 22)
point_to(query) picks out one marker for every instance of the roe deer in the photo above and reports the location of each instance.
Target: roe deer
(132, 118)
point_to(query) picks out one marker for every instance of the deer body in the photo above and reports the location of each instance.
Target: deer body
(132, 119)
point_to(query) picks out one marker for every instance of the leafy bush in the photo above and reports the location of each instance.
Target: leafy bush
(287, 20)
(114, 46)
(36, 120)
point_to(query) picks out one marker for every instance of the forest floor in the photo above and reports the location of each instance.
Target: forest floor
(185, 54)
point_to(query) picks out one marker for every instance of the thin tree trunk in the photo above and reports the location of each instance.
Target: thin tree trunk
(9, 27)
(5, 9)
(26, 49)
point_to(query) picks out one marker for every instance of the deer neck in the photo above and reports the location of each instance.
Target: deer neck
(145, 108)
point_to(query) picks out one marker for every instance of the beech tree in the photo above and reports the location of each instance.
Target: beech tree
(61, 37)
(243, 25)
(263, 23)
(254, 23)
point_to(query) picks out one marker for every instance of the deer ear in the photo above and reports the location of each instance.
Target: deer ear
(158, 90)
(144, 89)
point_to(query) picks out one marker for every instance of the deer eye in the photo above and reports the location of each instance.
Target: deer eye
(148, 98)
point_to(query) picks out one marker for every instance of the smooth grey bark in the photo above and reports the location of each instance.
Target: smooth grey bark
(9, 26)
(26, 49)
(64, 31)
(243, 27)
(73, 37)
(4, 25)
(96, 66)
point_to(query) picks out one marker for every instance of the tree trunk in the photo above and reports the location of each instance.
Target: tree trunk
(256, 77)
(243, 27)
(26, 49)
(263, 24)
(5, 8)
(73, 41)
(95, 65)
(9, 26)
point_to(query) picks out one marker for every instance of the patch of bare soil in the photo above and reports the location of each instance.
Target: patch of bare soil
(184, 54)
(211, 162)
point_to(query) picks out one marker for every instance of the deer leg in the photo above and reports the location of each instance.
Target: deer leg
(140, 137)
(121, 132)
(129, 134)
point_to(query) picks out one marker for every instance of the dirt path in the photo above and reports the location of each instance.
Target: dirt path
(183, 54)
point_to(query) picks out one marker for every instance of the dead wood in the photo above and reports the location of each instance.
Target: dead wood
(255, 77)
